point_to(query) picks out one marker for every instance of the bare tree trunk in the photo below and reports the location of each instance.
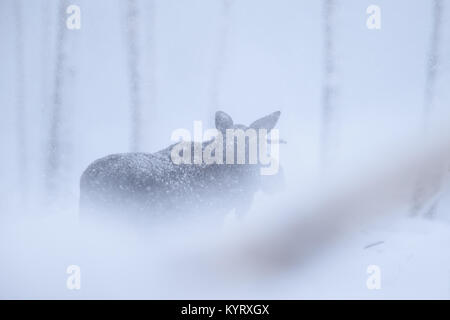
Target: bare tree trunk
(430, 184)
(133, 63)
(46, 87)
(22, 147)
(149, 79)
(55, 143)
(219, 61)
(433, 60)
(329, 89)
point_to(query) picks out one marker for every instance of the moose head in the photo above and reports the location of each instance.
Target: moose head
(248, 144)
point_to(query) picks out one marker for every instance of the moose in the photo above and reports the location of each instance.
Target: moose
(152, 185)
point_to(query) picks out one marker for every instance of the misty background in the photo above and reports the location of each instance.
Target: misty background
(137, 70)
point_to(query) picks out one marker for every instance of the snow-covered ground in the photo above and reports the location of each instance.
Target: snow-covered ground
(412, 254)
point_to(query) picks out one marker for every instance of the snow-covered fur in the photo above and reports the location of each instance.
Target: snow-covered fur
(152, 185)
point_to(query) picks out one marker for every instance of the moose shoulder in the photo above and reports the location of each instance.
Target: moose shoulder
(151, 184)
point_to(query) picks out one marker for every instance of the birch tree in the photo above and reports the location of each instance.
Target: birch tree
(20, 105)
(329, 87)
(429, 185)
(55, 143)
(219, 59)
(132, 25)
(149, 76)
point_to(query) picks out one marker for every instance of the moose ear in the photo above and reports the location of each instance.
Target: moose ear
(267, 122)
(223, 121)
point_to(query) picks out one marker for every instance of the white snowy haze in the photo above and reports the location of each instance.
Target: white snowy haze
(364, 112)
